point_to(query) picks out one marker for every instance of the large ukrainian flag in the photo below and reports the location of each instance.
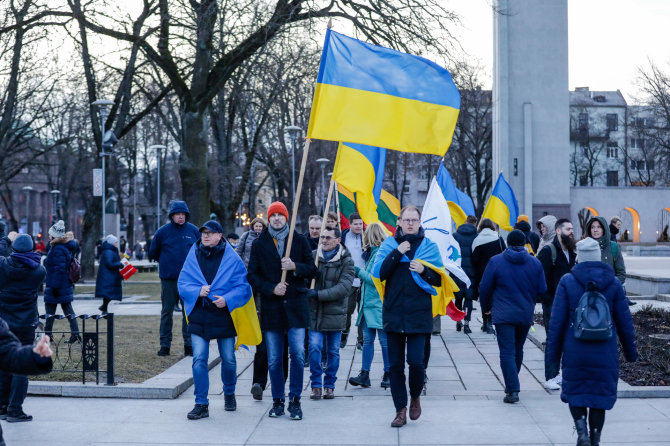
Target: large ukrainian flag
(381, 97)
(460, 204)
(230, 282)
(502, 206)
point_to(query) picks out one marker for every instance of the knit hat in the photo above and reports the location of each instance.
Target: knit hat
(212, 226)
(58, 229)
(588, 250)
(23, 243)
(278, 208)
(516, 238)
(111, 239)
(523, 217)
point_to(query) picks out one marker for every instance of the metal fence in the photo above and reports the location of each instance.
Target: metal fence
(81, 353)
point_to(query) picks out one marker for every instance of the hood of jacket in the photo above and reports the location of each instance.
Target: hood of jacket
(109, 247)
(599, 272)
(605, 239)
(485, 236)
(523, 226)
(29, 259)
(516, 254)
(550, 222)
(467, 229)
(179, 206)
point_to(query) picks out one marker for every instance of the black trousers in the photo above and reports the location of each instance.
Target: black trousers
(550, 368)
(261, 363)
(596, 417)
(464, 302)
(13, 387)
(415, 345)
(353, 300)
(169, 299)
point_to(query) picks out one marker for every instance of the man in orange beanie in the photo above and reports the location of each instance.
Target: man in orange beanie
(284, 305)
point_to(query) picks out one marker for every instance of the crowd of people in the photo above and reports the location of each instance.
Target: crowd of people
(306, 297)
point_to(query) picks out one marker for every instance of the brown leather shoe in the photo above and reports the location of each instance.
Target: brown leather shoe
(328, 393)
(415, 408)
(316, 393)
(400, 418)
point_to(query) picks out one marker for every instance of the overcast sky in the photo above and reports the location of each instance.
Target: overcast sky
(608, 39)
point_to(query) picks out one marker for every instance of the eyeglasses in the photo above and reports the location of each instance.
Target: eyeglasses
(411, 221)
(326, 237)
(207, 233)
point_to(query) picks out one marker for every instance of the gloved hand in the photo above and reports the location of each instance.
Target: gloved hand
(356, 270)
(312, 294)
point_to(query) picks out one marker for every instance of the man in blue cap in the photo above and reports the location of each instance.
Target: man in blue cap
(170, 247)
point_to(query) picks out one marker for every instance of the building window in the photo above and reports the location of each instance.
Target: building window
(612, 122)
(638, 165)
(612, 149)
(637, 143)
(584, 180)
(583, 121)
(650, 165)
(405, 189)
(612, 178)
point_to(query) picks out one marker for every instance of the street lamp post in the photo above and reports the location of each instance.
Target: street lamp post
(27, 190)
(103, 104)
(322, 162)
(293, 132)
(158, 148)
(54, 194)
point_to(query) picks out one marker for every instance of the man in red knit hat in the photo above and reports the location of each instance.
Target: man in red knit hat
(284, 305)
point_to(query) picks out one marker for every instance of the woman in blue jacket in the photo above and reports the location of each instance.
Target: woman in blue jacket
(108, 283)
(590, 368)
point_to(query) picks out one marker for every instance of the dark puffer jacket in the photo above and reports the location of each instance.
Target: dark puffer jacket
(18, 359)
(109, 280)
(21, 276)
(59, 289)
(486, 245)
(465, 235)
(172, 242)
(590, 369)
(328, 311)
(292, 309)
(531, 238)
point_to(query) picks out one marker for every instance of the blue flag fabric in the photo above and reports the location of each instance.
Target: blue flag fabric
(427, 251)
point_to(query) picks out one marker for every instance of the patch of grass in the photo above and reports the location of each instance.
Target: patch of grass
(135, 346)
(144, 276)
(152, 290)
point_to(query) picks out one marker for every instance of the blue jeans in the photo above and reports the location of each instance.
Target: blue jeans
(316, 341)
(510, 343)
(369, 347)
(201, 372)
(274, 341)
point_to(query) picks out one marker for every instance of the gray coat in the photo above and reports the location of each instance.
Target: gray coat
(328, 312)
(243, 248)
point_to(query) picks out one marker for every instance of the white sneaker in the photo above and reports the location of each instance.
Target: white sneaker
(559, 379)
(552, 384)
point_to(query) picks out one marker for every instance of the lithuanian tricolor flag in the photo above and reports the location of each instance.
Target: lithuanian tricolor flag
(388, 208)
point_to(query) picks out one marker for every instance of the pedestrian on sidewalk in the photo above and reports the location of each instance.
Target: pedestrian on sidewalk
(314, 230)
(487, 244)
(465, 236)
(209, 263)
(169, 247)
(590, 368)
(21, 277)
(285, 310)
(248, 238)
(108, 283)
(59, 290)
(532, 239)
(408, 308)
(508, 290)
(328, 311)
(546, 226)
(370, 313)
(615, 227)
(557, 259)
(352, 238)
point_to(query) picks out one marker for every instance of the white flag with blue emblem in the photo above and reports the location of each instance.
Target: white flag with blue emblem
(436, 222)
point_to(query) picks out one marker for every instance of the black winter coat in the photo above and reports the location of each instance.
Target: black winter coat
(59, 289)
(18, 359)
(532, 238)
(19, 284)
(554, 271)
(292, 309)
(206, 319)
(328, 311)
(481, 255)
(407, 307)
(5, 246)
(109, 280)
(465, 235)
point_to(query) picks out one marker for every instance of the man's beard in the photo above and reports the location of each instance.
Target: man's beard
(569, 242)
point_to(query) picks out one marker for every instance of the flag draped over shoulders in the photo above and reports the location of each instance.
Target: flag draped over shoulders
(429, 256)
(230, 282)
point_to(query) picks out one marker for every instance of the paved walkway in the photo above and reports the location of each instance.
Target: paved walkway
(463, 406)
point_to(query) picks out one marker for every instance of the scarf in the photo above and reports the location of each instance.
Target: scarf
(280, 237)
(328, 255)
(30, 259)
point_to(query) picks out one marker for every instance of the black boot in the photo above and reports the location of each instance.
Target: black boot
(363, 379)
(582, 432)
(459, 325)
(229, 403)
(386, 380)
(595, 437)
(198, 412)
(343, 340)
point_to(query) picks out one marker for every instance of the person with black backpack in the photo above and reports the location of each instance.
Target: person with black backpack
(589, 313)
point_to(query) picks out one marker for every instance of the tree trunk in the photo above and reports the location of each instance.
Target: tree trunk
(193, 164)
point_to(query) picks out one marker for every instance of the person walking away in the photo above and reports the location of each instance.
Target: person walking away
(465, 236)
(610, 251)
(212, 274)
(370, 313)
(546, 226)
(314, 230)
(615, 227)
(285, 310)
(408, 308)
(486, 245)
(138, 252)
(169, 247)
(532, 239)
(233, 239)
(22, 359)
(59, 290)
(21, 277)
(508, 290)
(590, 367)
(108, 283)
(122, 245)
(352, 238)
(328, 311)
(557, 259)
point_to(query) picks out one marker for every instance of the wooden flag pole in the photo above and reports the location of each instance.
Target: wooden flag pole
(337, 207)
(323, 226)
(305, 152)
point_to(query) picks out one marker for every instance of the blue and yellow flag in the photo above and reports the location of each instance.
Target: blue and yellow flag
(360, 169)
(502, 206)
(381, 97)
(230, 282)
(460, 204)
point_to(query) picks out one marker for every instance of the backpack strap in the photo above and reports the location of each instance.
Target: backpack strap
(552, 248)
(615, 249)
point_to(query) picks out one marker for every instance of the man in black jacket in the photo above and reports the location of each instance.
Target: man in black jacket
(21, 277)
(465, 235)
(284, 307)
(557, 259)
